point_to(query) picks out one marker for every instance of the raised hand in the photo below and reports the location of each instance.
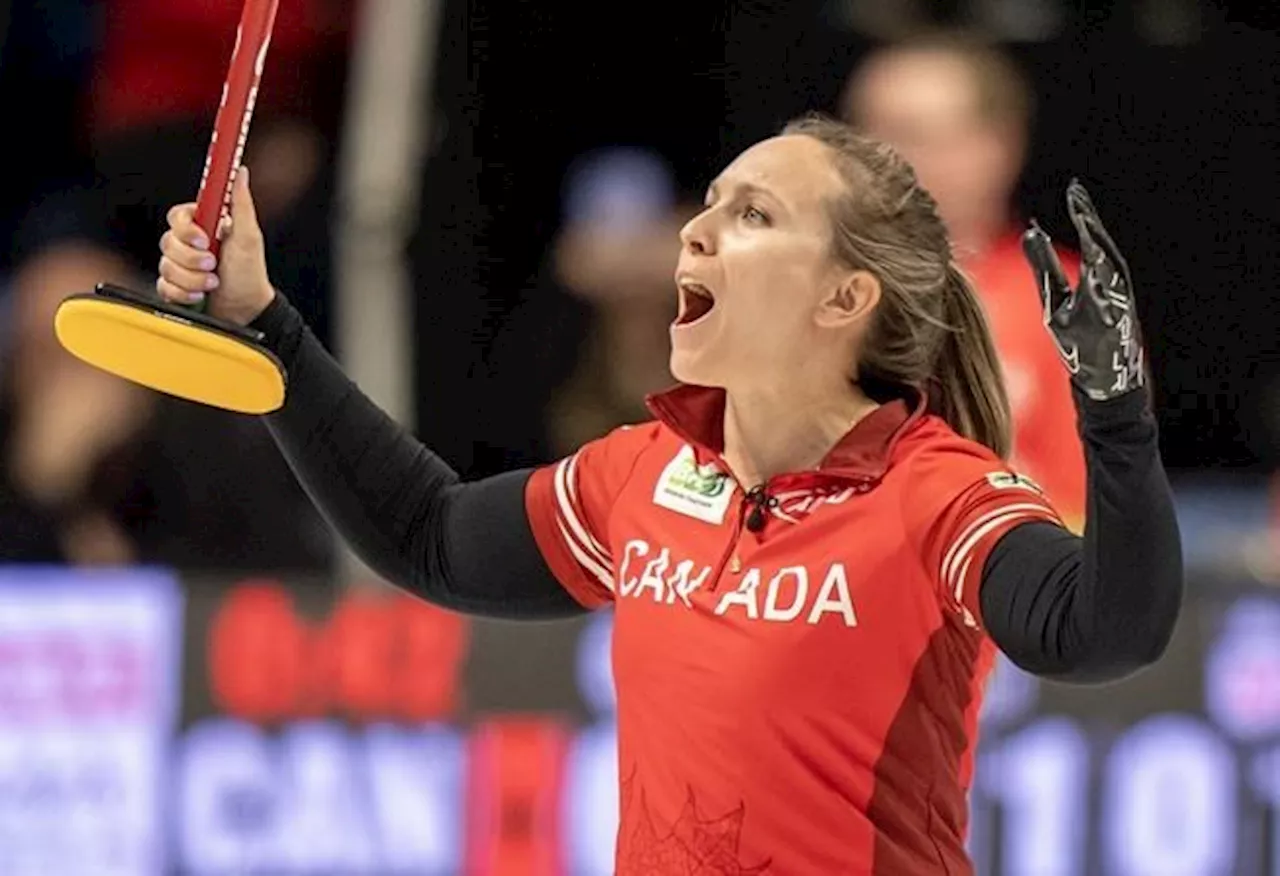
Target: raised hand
(1095, 326)
(235, 283)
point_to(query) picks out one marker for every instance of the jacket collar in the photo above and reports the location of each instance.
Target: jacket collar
(696, 415)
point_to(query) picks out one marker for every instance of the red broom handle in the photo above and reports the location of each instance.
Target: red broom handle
(231, 127)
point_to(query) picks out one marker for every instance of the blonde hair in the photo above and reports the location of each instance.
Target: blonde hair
(929, 332)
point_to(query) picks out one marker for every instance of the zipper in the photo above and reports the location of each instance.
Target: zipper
(750, 516)
(734, 537)
(752, 510)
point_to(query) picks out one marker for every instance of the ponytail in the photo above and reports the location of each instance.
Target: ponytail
(928, 331)
(970, 391)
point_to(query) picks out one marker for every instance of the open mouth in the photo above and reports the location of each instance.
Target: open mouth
(696, 301)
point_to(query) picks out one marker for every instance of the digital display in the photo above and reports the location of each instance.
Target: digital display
(88, 704)
(1173, 773)
(300, 732)
(317, 796)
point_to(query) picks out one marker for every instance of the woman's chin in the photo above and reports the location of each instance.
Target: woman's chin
(690, 365)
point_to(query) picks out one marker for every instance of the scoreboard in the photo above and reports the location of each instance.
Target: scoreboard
(152, 723)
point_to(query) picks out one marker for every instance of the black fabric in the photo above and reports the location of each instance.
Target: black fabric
(1084, 609)
(1102, 606)
(466, 547)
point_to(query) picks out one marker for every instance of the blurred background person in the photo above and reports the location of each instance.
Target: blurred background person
(1182, 136)
(960, 111)
(146, 106)
(616, 254)
(589, 337)
(67, 435)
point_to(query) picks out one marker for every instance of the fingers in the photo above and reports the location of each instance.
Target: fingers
(181, 219)
(1106, 245)
(197, 279)
(1084, 215)
(1106, 272)
(1078, 200)
(186, 265)
(185, 255)
(1055, 288)
(243, 212)
(1095, 240)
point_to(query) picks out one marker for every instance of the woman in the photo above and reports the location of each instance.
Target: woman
(814, 548)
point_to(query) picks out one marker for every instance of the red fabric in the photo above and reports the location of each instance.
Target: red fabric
(806, 696)
(164, 59)
(1046, 442)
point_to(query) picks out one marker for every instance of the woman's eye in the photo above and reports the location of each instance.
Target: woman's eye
(754, 214)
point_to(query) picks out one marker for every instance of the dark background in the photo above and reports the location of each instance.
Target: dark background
(1178, 142)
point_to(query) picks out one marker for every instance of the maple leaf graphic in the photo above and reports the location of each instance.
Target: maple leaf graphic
(694, 845)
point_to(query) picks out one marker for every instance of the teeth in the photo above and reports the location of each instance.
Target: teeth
(697, 289)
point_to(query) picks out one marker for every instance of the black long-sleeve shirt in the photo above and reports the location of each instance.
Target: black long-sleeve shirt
(1085, 609)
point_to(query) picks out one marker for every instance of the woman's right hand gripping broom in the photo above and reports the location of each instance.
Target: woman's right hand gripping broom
(235, 283)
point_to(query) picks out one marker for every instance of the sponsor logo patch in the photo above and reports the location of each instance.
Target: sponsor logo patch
(1006, 480)
(699, 491)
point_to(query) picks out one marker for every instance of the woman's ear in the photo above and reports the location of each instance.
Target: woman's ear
(851, 300)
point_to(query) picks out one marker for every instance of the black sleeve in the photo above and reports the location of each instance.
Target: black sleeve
(403, 510)
(1096, 608)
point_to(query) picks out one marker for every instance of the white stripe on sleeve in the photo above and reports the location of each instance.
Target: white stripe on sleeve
(571, 481)
(955, 565)
(585, 548)
(600, 572)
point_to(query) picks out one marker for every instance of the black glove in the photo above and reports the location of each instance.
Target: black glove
(1095, 326)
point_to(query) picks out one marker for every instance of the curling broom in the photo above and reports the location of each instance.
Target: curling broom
(177, 349)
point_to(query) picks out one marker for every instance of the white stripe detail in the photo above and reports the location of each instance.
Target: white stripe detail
(600, 572)
(964, 557)
(579, 540)
(949, 560)
(959, 557)
(964, 571)
(571, 481)
(571, 477)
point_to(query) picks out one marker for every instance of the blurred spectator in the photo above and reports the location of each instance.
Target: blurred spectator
(960, 111)
(66, 433)
(148, 111)
(617, 253)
